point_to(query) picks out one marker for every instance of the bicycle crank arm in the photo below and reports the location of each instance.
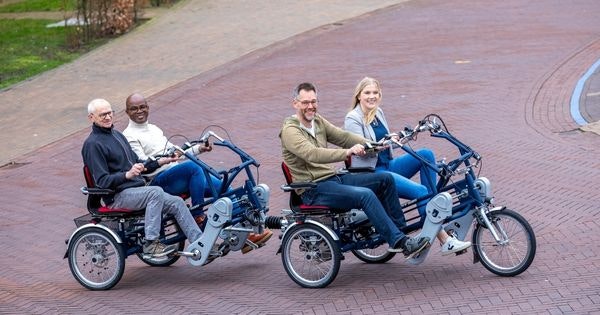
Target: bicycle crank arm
(192, 254)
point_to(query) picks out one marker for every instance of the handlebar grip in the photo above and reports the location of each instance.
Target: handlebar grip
(376, 147)
(194, 150)
(186, 146)
(148, 162)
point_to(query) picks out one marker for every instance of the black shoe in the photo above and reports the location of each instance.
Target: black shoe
(412, 246)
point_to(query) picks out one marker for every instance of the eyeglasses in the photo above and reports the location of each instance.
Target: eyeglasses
(142, 107)
(106, 114)
(306, 103)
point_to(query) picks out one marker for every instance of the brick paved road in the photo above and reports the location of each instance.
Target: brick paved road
(193, 37)
(501, 79)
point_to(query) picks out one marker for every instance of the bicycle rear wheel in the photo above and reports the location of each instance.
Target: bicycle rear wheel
(310, 256)
(96, 259)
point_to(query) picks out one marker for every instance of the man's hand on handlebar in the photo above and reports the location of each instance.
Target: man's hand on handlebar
(207, 147)
(166, 160)
(366, 148)
(357, 149)
(194, 148)
(136, 169)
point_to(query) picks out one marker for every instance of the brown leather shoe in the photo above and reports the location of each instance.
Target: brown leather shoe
(201, 221)
(258, 239)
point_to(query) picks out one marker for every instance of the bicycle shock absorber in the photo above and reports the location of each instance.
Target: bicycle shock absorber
(274, 222)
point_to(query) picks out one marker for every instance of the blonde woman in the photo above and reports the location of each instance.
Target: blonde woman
(366, 118)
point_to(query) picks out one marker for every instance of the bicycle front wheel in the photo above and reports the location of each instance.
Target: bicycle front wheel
(515, 250)
(377, 255)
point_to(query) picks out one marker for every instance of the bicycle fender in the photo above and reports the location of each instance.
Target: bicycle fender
(309, 221)
(96, 226)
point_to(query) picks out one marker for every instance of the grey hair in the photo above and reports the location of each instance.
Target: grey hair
(306, 86)
(95, 103)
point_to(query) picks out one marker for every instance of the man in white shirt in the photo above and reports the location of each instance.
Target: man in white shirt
(178, 178)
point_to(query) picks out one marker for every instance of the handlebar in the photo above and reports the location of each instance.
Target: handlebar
(187, 146)
(247, 160)
(374, 147)
(189, 149)
(407, 134)
(437, 128)
(151, 159)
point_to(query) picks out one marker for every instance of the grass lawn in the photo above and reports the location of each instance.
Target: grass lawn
(28, 48)
(38, 5)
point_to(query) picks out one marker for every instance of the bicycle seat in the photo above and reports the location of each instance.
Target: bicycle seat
(94, 202)
(296, 203)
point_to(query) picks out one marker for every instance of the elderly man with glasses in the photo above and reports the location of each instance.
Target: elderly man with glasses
(115, 166)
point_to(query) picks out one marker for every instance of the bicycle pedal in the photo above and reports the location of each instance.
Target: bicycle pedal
(193, 254)
(416, 254)
(149, 256)
(464, 251)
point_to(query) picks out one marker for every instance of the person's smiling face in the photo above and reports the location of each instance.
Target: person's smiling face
(369, 98)
(103, 115)
(137, 108)
(306, 106)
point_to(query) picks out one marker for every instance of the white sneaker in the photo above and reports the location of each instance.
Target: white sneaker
(454, 245)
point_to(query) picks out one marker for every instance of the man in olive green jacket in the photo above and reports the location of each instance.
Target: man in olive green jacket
(304, 137)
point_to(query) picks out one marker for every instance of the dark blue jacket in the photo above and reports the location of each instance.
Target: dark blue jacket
(108, 156)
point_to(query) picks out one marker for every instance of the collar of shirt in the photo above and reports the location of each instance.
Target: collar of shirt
(310, 130)
(135, 125)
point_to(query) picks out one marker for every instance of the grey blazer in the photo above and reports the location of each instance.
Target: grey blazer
(355, 124)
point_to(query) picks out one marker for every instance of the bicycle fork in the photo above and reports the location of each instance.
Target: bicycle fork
(485, 221)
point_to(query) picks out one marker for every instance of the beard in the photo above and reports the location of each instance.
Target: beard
(309, 114)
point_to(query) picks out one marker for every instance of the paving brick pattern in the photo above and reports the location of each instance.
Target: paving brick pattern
(191, 38)
(508, 96)
(590, 98)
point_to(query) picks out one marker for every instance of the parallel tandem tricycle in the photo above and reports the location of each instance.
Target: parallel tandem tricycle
(105, 237)
(314, 237)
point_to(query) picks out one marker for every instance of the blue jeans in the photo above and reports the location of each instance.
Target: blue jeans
(374, 193)
(404, 167)
(186, 178)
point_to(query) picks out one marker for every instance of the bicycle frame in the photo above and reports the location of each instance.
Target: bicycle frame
(446, 172)
(227, 177)
(233, 213)
(470, 195)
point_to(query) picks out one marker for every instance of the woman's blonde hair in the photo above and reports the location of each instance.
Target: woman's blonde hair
(369, 116)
